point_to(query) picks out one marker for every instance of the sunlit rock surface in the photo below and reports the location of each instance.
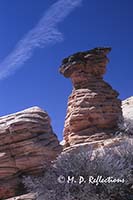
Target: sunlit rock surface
(26, 142)
(93, 107)
(28, 196)
(127, 108)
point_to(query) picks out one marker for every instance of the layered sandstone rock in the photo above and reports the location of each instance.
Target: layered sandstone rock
(93, 107)
(26, 142)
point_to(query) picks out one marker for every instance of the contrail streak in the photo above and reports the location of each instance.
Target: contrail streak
(44, 33)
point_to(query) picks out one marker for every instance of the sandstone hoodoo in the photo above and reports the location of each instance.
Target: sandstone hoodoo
(93, 107)
(26, 141)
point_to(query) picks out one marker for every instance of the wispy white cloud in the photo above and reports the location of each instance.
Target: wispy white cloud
(44, 33)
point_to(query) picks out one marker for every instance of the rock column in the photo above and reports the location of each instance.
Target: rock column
(93, 107)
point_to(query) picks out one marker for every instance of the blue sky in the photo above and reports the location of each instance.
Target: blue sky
(37, 82)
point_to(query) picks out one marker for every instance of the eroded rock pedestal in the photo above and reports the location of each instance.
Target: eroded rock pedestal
(93, 107)
(27, 144)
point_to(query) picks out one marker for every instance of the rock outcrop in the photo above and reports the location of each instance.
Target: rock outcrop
(127, 108)
(27, 143)
(93, 107)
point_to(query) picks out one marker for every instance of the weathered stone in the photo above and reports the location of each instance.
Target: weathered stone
(93, 108)
(28, 196)
(127, 108)
(26, 142)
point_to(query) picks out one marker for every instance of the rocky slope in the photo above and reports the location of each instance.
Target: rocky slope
(26, 141)
(93, 107)
(127, 108)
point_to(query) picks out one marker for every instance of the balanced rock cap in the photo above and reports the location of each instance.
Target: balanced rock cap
(94, 57)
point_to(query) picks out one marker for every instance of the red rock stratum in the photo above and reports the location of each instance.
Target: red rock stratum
(93, 107)
(26, 141)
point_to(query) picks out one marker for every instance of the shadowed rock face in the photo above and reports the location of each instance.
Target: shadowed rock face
(93, 108)
(26, 141)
